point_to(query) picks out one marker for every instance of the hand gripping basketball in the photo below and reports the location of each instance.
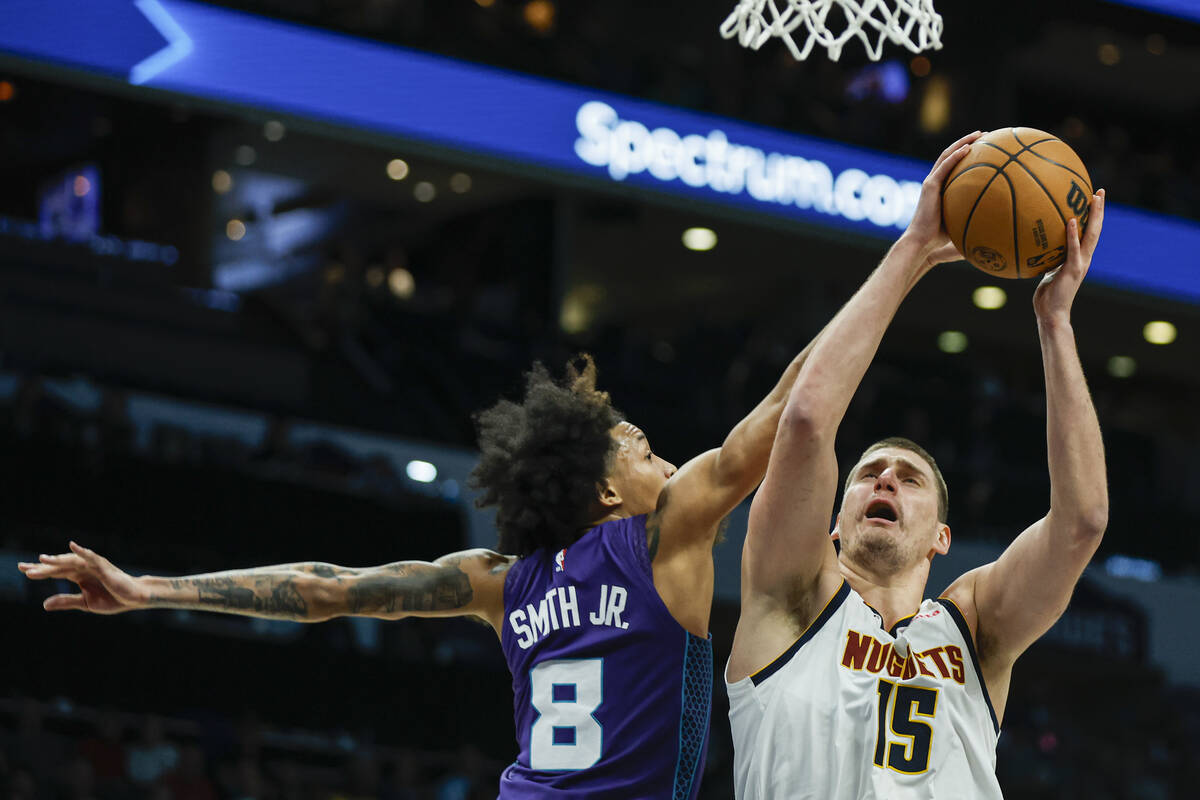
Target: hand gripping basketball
(926, 229)
(1056, 291)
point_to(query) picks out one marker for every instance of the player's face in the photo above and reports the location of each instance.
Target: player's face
(889, 517)
(638, 475)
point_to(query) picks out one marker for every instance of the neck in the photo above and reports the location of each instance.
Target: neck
(894, 595)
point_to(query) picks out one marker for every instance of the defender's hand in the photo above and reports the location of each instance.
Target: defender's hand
(926, 229)
(1054, 295)
(104, 589)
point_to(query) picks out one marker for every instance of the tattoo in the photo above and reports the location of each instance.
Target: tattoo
(412, 587)
(266, 595)
(324, 570)
(652, 534)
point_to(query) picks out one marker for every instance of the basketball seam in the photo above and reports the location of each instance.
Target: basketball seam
(1052, 161)
(950, 182)
(1012, 193)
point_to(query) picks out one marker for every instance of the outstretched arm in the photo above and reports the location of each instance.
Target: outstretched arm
(460, 584)
(788, 544)
(1016, 599)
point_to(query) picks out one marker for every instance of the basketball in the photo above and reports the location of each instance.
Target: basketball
(1006, 204)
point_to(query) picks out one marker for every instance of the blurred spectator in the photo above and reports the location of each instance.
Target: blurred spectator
(105, 753)
(153, 756)
(190, 781)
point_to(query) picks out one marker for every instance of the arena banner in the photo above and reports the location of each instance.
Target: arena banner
(215, 54)
(1186, 9)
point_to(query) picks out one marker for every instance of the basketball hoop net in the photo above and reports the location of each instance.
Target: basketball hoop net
(910, 23)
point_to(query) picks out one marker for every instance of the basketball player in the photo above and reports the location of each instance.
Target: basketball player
(600, 594)
(843, 683)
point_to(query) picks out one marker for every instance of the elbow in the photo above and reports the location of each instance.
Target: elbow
(325, 598)
(1088, 525)
(803, 417)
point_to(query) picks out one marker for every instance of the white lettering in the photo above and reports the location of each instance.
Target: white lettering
(597, 617)
(568, 606)
(628, 147)
(539, 619)
(517, 620)
(616, 604)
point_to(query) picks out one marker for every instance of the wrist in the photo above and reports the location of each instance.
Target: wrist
(152, 592)
(1055, 322)
(912, 252)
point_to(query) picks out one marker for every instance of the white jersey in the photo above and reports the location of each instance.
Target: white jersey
(855, 712)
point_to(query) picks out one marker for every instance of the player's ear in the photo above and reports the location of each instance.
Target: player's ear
(607, 495)
(942, 543)
(837, 523)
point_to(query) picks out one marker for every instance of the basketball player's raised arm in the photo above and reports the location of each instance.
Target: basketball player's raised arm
(469, 583)
(1019, 596)
(787, 545)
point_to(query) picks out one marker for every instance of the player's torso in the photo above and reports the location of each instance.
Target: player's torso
(856, 711)
(611, 696)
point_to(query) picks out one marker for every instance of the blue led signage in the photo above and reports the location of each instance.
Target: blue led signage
(1187, 9)
(213, 53)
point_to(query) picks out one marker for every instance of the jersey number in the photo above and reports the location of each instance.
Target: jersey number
(911, 754)
(566, 693)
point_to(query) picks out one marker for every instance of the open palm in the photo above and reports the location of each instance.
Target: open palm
(103, 588)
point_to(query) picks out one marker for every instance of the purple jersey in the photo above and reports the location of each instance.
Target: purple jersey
(611, 696)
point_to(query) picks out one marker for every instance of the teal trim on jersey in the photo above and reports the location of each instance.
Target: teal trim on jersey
(961, 621)
(833, 605)
(695, 713)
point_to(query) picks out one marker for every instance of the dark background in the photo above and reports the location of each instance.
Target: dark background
(186, 706)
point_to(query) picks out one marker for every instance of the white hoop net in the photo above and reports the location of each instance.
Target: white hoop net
(912, 24)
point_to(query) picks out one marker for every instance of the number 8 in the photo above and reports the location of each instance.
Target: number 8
(566, 693)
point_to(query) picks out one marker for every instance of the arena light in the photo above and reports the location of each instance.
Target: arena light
(273, 130)
(397, 169)
(81, 186)
(699, 239)
(1122, 366)
(460, 183)
(401, 283)
(421, 471)
(1159, 332)
(245, 155)
(424, 192)
(222, 181)
(952, 341)
(7, 91)
(989, 298)
(235, 229)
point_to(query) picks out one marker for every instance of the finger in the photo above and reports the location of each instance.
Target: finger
(40, 572)
(1091, 236)
(970, 137)
(65, 602)
(1074, 262)
(944, 166)
(66, 559)
(87, 555)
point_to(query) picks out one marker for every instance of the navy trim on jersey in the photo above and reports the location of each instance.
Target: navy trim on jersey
(833, 605)
(895, 628)
(956, 615)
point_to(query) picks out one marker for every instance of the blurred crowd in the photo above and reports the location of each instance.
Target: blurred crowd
(1140, 746)
(55, 751)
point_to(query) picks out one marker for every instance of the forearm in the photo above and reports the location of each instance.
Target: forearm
(306, 592)
(1075, 449)
(841, 355)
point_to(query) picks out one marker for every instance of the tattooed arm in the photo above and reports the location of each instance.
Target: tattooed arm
(470, 583)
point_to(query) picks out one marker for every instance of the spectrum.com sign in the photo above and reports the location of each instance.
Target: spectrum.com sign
(628, 147)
